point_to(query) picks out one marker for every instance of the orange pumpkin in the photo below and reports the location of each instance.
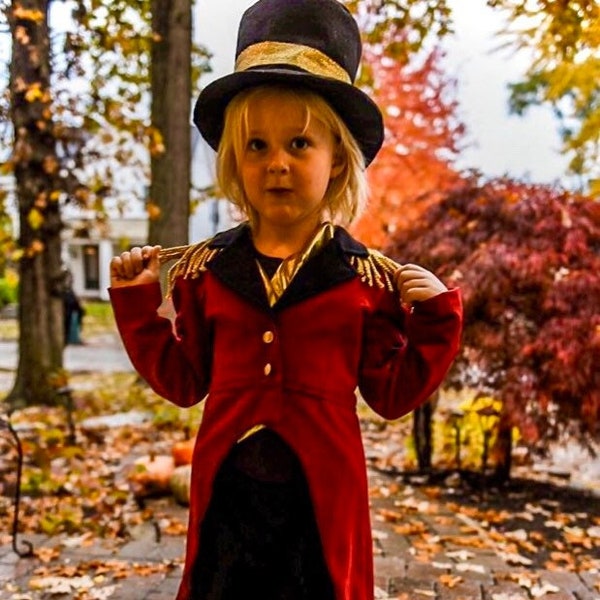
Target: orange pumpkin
(182, 452)
(151, 475)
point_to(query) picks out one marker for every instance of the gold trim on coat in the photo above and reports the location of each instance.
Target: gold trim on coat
(286, 271)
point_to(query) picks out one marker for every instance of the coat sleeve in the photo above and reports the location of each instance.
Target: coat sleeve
(173, 358)
(407, 354)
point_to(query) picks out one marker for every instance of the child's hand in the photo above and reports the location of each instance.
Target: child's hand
(138, 266)
(416, 284)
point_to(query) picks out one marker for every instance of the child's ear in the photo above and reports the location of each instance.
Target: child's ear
(337, 165)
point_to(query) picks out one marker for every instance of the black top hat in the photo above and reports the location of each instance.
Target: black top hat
(312, 43)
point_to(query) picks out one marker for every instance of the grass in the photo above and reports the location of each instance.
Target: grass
(98, 320)
(9, 329)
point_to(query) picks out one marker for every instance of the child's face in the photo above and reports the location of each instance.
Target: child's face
(286, 165)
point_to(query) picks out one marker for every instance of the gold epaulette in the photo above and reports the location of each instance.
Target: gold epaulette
(376, 270)
(191, 260)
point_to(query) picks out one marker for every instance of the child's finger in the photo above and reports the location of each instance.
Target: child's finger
(409, 271)
(116, 268)
(150, 255)
(133, 262)
(416, 284)
(418, 293)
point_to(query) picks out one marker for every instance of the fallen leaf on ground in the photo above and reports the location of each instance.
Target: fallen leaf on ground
(513, 558)
(414, 528)
(61, 585)
(450, 581)
(473, 568)
(45, 554)
(539, 590)
(460, 554)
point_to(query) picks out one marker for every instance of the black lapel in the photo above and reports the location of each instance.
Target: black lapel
(235, 266)
(348, 244)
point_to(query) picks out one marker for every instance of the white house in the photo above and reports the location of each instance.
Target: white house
(88, 245)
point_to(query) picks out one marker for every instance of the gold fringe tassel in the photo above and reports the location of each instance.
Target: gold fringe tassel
(167, 254)
(191, 260)
(376, 270)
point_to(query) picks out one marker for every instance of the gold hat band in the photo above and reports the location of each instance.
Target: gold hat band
(304, 57)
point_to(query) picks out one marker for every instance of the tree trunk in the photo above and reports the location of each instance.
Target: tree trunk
(35, 165)
(171, 97)
(422, 433)
(503, 451)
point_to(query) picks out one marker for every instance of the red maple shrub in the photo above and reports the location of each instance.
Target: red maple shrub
(527, 259)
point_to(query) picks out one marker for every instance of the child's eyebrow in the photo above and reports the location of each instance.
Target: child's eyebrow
(291, 132)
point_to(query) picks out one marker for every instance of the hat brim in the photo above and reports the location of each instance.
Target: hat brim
(360, 114)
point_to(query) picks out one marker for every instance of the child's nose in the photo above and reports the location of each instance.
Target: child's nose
(278, 162)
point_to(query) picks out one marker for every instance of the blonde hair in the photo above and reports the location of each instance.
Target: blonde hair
(346, 194)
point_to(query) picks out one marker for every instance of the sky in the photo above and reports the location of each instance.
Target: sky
(497, 143)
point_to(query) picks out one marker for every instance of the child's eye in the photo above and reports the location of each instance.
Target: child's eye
(300, 143)
(255, 144)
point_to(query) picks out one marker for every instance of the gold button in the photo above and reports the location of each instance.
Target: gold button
(268, 337)
(268, 369)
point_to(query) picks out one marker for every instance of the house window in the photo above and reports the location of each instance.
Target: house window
(91, 267)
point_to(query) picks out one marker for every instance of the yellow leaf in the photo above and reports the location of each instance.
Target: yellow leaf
(25, 14)
(6, 168)
(35, 218)
(34, 92)
(157, 145)
(17, 255)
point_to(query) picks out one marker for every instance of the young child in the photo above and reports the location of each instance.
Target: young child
(280, 320)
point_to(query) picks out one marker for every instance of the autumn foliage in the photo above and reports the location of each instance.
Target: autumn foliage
(422, 137)
(527, 258)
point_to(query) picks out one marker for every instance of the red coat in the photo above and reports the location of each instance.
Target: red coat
(294, 368)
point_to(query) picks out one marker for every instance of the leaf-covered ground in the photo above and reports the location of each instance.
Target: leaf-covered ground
(540, 519)
(79, 492)
(551, 526)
